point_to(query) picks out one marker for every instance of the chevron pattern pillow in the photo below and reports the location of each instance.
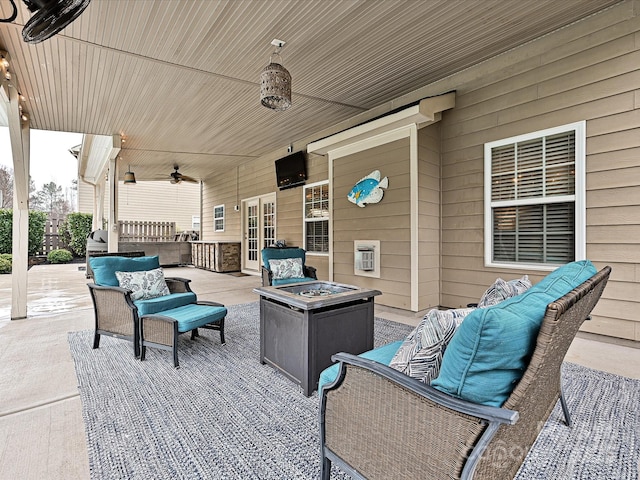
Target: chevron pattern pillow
(420, 355)
(501, 290)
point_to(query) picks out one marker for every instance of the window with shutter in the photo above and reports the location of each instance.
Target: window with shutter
(316, 217)
(534, 198)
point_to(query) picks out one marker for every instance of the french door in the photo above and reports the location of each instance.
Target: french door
(259, 225)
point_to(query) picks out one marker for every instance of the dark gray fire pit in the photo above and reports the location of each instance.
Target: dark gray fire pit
(302, 325)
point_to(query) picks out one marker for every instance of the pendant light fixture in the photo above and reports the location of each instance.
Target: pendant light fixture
(129, 177)
(275, 81)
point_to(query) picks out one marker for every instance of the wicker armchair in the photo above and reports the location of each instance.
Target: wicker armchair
(376, 422)
(309, 272)
(116, 315)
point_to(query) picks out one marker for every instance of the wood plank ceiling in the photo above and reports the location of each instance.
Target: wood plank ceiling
(180, 78)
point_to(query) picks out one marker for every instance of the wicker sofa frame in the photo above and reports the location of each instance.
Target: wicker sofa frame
(376, 422)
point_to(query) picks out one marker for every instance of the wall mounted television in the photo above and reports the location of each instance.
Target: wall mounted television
(291, 171)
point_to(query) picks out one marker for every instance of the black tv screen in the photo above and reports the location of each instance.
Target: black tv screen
(291, 170)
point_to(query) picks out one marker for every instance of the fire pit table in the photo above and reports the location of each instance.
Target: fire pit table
(302, 325)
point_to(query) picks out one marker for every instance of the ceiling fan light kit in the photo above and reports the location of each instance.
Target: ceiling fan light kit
(177, 177)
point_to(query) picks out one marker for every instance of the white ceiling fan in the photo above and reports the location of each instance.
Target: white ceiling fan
(177, 177)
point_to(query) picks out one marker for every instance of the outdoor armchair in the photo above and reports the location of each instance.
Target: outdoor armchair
(376, 422)
(116, 314)
(285, 265)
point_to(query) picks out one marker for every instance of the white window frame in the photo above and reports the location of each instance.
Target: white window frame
(579, 197)
(306, 220)
(194, 222)
(215, 228)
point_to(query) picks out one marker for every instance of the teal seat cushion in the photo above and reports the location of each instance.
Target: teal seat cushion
(105, 268)
(165, 302)
(382, 354)
(286, 281)
(491, 349)
(194, 316)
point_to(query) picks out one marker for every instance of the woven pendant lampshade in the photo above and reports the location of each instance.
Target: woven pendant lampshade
(275, 84)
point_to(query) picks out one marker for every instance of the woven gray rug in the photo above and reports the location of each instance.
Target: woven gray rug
(223, 415)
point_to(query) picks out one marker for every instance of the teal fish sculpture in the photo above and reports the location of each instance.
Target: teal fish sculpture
(368, 189)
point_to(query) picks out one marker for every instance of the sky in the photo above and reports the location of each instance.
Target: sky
(50, 157)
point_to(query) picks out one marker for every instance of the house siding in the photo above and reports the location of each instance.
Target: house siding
(595, 76)
(149, 202)
(587, 71)
(429, 217)
(255, 179)
(388, 221)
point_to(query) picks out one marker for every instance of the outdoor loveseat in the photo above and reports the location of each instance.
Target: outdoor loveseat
(134, 301)
(376, 422)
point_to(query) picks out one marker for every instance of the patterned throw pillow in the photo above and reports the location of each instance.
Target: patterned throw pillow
(420, 355)
(501, 290)
(286, 268)
(144, 285)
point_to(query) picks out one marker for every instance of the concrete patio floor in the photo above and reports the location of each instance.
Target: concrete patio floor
(41, 428)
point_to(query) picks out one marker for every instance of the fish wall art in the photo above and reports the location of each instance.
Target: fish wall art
(368, 189)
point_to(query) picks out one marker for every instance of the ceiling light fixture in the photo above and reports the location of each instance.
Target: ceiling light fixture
(275, 81)
(129, 177)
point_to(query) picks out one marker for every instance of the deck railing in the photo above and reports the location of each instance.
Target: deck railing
(134, 231)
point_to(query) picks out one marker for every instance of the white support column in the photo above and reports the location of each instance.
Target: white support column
(19, 133)
(98, 204)
(113, 205)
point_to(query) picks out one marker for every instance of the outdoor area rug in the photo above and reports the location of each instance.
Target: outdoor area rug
(223, 415)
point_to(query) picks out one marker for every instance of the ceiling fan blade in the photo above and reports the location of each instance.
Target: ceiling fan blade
(188, 179)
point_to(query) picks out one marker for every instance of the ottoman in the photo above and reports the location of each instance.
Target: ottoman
(161, 330)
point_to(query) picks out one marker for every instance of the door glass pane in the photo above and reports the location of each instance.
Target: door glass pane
(252, 232)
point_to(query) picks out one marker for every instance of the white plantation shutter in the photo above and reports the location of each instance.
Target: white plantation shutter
(532, 197)
(316, 217)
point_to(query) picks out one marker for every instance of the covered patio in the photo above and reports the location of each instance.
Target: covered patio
(41, 425)
(156, 85)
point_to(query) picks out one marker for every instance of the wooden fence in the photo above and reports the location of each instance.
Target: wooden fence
(132, 231)
(52, 239)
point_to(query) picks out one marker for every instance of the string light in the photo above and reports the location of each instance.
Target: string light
(4, 70)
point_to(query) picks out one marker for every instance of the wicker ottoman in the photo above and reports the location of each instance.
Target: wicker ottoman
(161, 330)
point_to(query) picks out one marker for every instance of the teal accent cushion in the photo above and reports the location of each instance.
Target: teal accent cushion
(104, 268)
(194, 316)
(286, 281)
(491, 349)
(382, 354)
(166, 302)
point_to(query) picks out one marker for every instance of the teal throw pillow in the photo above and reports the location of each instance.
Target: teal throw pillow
(491, 349)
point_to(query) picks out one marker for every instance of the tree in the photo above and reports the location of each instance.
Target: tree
(51, 199)
(6, 187)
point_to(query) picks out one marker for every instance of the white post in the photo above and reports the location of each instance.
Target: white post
(113, 205)
(19, 134)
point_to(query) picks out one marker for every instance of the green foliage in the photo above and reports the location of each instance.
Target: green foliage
(60, 256)
(5, 263)
(79, 227)
(37, 221)
(64, 235)
(36, 231)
